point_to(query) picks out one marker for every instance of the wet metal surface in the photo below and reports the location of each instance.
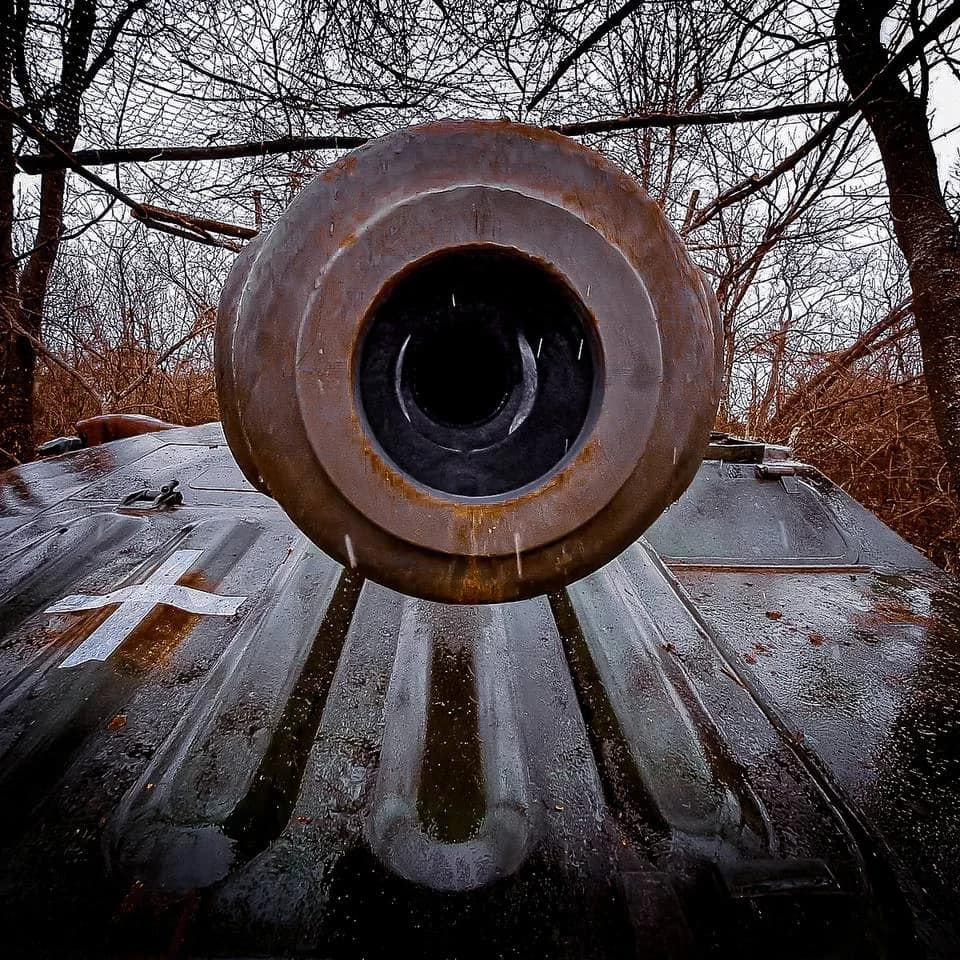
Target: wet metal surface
(712, 746)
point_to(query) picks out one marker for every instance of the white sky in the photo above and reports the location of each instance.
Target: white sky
(945, 107)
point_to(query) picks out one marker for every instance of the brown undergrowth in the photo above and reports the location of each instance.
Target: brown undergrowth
(122, 380)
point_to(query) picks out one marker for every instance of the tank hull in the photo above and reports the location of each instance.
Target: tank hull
(739, 736)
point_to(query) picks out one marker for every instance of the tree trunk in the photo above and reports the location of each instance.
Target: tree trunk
(22, 298)
(924, 228)
(17, 362)
(19, 369)
(16, 352)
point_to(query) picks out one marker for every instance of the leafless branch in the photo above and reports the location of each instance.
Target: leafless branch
(593, 38)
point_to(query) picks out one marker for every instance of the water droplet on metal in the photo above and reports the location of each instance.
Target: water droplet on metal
(784, 539)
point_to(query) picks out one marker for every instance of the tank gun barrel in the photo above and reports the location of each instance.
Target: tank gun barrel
(472, 360)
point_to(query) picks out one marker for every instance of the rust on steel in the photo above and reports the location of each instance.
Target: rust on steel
(117, 426)
(472, 360)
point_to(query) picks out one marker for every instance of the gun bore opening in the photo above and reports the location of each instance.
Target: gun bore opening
(478, 372)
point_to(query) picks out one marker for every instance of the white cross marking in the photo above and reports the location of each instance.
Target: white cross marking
(137, 600)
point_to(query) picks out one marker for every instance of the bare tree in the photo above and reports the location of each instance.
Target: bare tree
(925, 229)
(50, 90)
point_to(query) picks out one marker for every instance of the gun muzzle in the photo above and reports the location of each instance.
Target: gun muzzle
(472, 360)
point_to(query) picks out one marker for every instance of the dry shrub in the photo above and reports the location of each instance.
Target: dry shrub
(875, 437)
(124, 378)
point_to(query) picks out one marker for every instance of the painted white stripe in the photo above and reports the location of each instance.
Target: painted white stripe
(109, 635)
(186, 598)
(137, 600)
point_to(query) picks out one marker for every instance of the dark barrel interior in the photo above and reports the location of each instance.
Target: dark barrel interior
(462, 372)
(478, 371)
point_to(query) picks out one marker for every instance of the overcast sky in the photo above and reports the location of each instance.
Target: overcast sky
(945, 103)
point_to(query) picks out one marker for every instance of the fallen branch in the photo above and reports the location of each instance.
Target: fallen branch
(52, 360)
(839, 363)
(162, 358)
(195, 223)
(38, 163)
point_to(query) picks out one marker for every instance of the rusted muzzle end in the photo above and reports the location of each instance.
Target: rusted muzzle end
(471, 360)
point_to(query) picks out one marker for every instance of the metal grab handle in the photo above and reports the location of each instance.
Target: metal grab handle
(167, 496)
